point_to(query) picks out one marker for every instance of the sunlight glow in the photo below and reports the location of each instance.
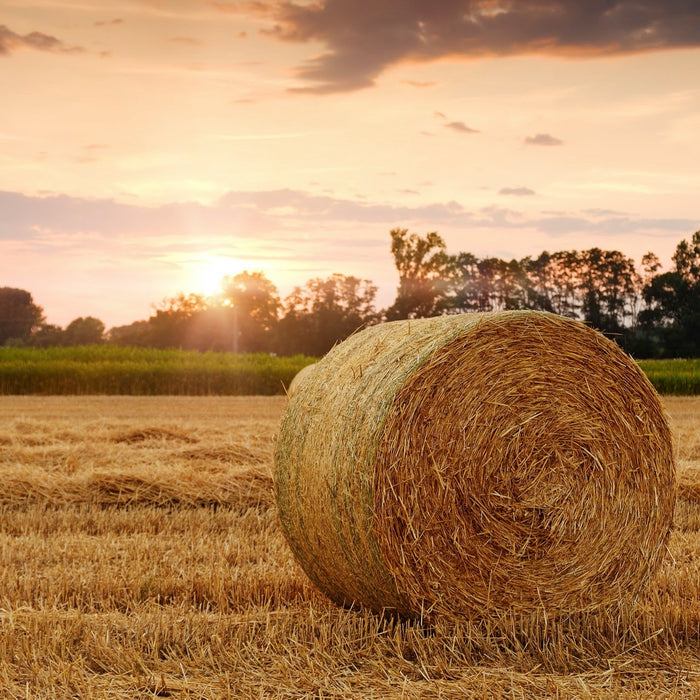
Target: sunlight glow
(208, 272)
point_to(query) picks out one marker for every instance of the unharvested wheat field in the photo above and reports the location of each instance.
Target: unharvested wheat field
(140, 556)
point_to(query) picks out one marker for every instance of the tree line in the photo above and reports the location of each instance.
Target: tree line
(648, 312)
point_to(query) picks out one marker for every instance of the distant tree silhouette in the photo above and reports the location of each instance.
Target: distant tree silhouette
(171, 326)
(46, 336)
(609, 284)
(241, 319)
(650, 313)
(600, 287)
(672, 299)
(324, 312)
(424, 269)
(19, 315)
(137, 334)
(252, 304)
(84, 331)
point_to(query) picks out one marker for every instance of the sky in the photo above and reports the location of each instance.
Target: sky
(149, 147)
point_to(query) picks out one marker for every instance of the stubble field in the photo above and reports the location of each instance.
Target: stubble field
(140, 556)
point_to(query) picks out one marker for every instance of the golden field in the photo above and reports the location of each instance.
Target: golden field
(140, 556)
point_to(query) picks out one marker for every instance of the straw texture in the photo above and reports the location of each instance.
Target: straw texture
(301, 376)
(464, 465)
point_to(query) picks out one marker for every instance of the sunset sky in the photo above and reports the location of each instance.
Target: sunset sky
(149, 147)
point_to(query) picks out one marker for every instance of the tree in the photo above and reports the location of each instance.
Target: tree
(673, 302)
(687, 259)
(463, 277)
(84, 331)
(172, 324)
(324, 312)
(650, 267)
(241, 319)
(424, 269)
(608, 283)
(539, 287)
(137, 334)
(47, 336)
(19, 315)
(565, 275)
(252, 302)
(500, 286)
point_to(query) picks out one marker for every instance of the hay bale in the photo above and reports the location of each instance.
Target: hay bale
(301, 376)
(463, 465)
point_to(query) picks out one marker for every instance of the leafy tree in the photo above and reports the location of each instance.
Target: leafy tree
(609, 284)
(539, 284)
(565, 274)
(673, 302)
(84, 331)
(424, 269)
(137, 334)
(171, 326)
(591, 268)
(463, 277)
(19, 315)
(324, 312)
(650, 266)
(498, 285)
(241, 319)
(490, 284)
(47, 336)
(252, 302)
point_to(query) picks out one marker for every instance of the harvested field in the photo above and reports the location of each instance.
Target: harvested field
(140, 555)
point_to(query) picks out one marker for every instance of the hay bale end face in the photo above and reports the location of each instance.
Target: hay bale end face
(301, 376)
(463, 465)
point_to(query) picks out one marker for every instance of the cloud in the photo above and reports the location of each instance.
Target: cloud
(186, 40)
(107, 23)
(563, 225)
(279, 216)
(462, 128)
(543, 140)
(603, 212)
(311, 208)
(363, 41)
(11, 41)
(419, 83)
(459, 126)
(517, 191)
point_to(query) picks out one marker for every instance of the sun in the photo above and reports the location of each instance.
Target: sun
(209, 271)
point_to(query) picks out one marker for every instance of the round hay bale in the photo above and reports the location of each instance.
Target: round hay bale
(466, 465)
(301, 376)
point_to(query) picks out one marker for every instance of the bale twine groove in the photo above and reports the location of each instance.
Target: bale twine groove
(465, 465)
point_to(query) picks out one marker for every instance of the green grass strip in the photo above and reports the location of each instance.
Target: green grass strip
(107, 369)
(115, 370)
(676, 377)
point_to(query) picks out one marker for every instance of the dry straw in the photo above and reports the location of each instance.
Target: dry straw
(467, 465)
(301, 376)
